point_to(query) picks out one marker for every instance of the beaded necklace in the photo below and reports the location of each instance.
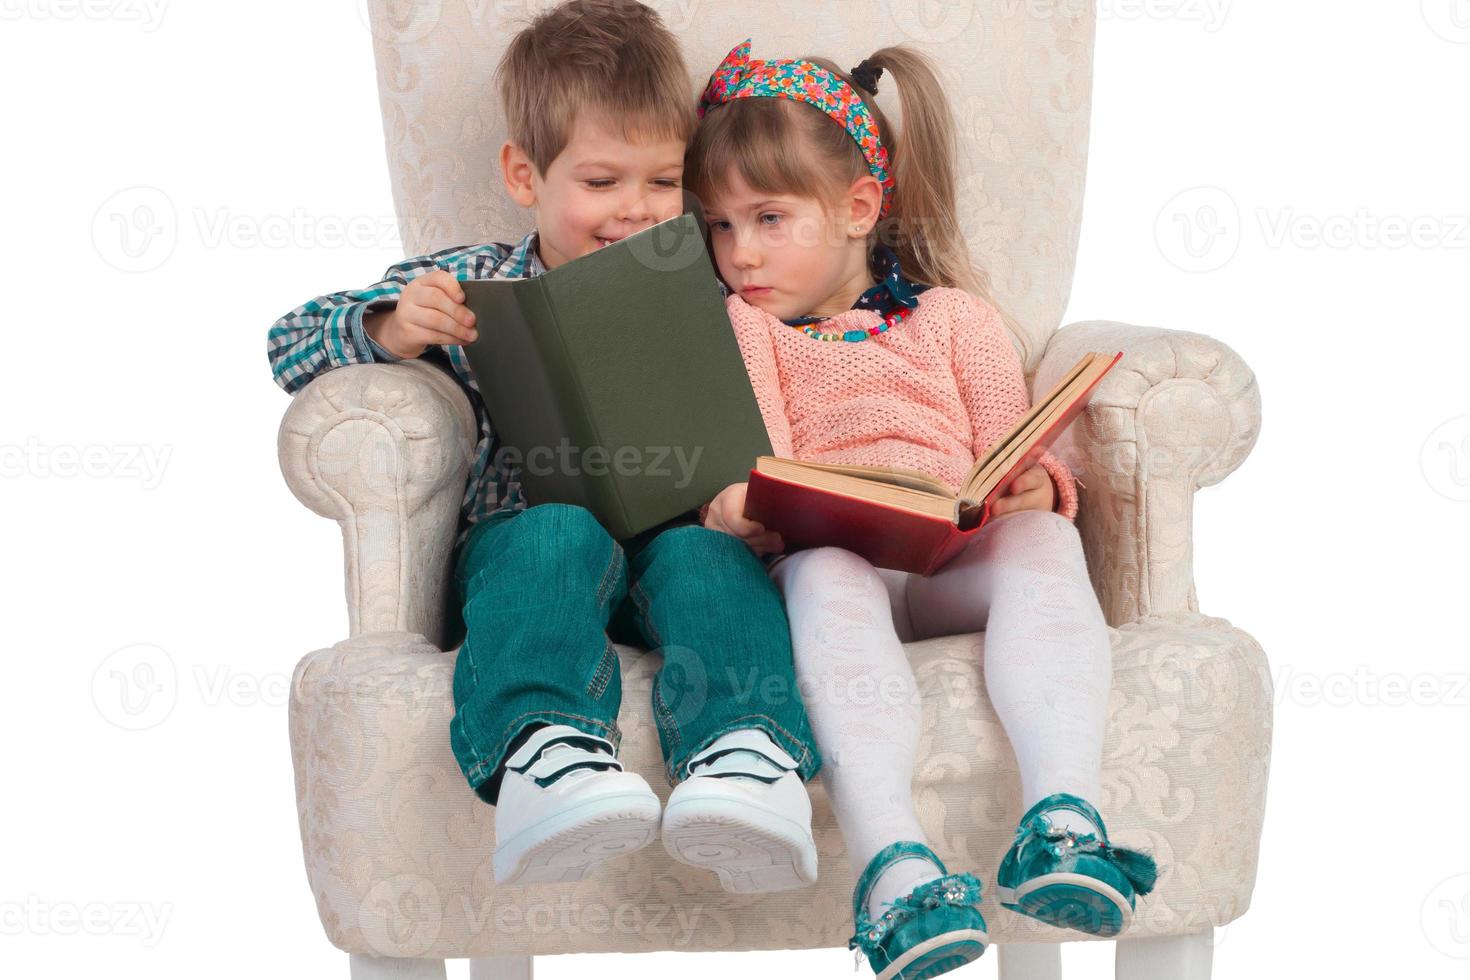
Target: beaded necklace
(893, 296)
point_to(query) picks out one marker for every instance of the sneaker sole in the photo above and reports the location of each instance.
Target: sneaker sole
(936, 956)
(567, 848)
(1071, 901)
(748, 857)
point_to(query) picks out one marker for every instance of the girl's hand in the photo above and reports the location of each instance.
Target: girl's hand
(430, 310)
(1033, 490)
(727, 513)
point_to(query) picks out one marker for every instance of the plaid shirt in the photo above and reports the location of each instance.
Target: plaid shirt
(327, 332)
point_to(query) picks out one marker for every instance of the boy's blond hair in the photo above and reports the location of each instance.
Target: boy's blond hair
(613, 58)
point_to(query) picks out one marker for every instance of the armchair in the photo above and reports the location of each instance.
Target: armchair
(397, 846)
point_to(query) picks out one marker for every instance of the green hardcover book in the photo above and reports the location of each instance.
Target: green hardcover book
(615, 381)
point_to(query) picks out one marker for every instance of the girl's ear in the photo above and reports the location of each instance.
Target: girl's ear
(865, 201)
(518, 171)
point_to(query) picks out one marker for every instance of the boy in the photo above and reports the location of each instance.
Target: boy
(598, 103)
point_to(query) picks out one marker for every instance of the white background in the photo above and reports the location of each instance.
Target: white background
(1319, 131)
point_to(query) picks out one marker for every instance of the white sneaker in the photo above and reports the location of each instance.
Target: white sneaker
(565, 805)
(744, 812)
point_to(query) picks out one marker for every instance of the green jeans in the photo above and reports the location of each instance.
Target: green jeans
(546, 591)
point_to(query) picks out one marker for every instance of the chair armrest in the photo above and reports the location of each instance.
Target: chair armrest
(385, 451)
(1179, 412)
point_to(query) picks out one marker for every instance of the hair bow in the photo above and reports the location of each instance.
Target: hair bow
(741, 77)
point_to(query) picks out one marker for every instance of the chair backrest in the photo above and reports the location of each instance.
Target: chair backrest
(1019, 74)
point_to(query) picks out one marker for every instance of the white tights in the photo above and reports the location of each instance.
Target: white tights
(1023, 579)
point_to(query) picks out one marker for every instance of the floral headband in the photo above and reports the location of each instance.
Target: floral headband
(738, 77)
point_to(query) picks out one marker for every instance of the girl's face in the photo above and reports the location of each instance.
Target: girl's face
(790, 256)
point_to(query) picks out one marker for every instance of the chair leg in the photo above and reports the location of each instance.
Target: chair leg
(1187, 957)
(394, 968)
(1030, 961)
(501, 968)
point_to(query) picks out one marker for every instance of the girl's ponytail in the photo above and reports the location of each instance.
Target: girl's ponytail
(923, 226)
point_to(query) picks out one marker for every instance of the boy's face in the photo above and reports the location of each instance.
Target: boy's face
(598, 190)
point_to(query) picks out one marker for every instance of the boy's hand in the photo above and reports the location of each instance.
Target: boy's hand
(1032, 490)
(430, 310)
(726, 513)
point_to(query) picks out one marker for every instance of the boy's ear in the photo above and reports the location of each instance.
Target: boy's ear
(518, 172)
(865, 202)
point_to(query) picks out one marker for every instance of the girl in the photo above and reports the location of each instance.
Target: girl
(860, 320)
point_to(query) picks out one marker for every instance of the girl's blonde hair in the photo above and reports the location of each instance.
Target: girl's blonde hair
(784, 146)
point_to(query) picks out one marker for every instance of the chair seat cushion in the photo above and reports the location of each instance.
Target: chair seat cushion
(397, 846)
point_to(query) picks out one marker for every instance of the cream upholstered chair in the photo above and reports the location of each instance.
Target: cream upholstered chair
(396, 845)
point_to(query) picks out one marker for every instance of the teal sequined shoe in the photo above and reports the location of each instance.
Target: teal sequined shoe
(933, 929)
(1071, 880)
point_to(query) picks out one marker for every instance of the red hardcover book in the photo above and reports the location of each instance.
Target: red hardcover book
(905, 520)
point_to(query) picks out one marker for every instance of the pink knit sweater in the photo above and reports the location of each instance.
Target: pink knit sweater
(931, 394)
